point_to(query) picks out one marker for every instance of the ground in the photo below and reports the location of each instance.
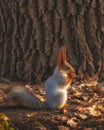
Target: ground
(84, 109)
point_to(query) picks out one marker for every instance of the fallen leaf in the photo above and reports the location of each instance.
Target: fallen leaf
(85, 98)
(101, 107)
(78, 94)
(87, 129)
(73, 122)
(63, 128)
(64, 118)
(42, 99)
(92, 111)
(30, 115)
(81, 109)
(41, 128)
(83, 116)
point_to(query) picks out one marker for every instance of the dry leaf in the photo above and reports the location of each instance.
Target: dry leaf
(85, 98)
(92, 110)
(83, 116)
(78, 94)
(42, 99)
(64, 118)
(81, 109)
(63, 128)
(91, 100)
(65, 111)
(87, 129)
(30, 115)
(100, 106)
(28, 87)
(73, 122)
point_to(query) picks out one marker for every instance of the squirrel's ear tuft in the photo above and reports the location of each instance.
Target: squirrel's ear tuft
(61, 57)
(63, 48)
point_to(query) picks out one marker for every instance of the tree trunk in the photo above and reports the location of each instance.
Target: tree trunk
(31, 31)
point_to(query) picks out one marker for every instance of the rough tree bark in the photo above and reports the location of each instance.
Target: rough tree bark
(31, 31)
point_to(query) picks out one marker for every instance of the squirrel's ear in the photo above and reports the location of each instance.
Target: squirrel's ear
(61, 57)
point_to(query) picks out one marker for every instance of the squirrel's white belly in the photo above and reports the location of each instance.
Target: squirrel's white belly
(56, 99)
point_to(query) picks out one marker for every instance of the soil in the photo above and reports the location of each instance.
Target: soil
(84, 109)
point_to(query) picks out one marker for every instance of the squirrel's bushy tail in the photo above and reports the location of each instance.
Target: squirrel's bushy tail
(22, 96)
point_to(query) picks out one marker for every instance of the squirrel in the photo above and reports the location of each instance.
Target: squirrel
(56, 87)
